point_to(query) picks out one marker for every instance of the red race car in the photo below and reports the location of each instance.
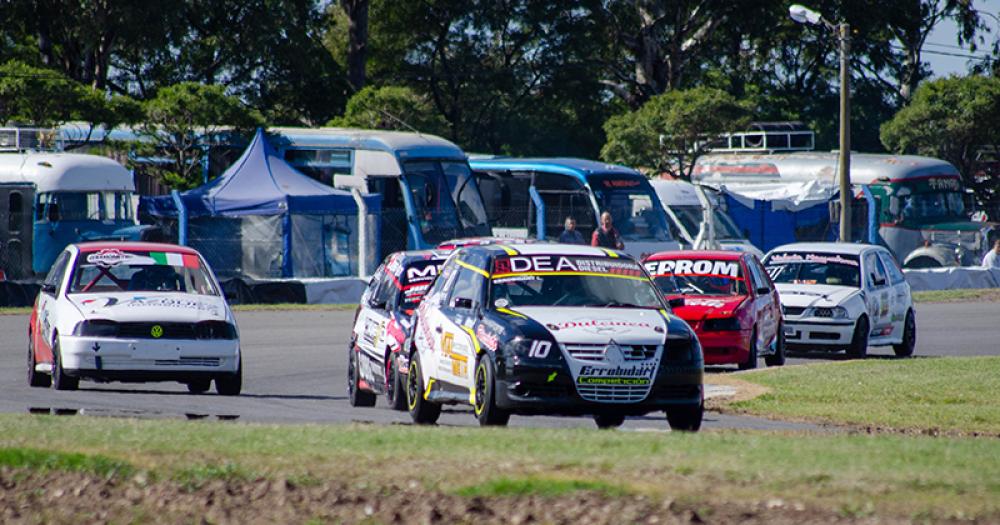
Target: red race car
(729, 300)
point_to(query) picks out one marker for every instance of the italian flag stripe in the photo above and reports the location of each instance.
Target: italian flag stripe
(175, 259)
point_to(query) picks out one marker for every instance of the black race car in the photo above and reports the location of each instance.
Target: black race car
(551, 329)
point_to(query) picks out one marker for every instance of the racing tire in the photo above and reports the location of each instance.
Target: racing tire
(199, 386)
(778, 357)
(61, 381)
(609, 421)
(422, 412)
(395, 393)
(485, 405)
(905, 348)
(859, 341)
(35, 379)
(685, 418)
(231, 384)
(751, 361)
(356, 396)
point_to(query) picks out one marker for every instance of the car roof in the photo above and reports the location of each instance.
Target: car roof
(719, 255)
(826, 247)
(87, 247)
(549, 249)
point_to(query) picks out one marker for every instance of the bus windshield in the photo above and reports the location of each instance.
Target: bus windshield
(84, 206)
(690, 216)
(933, 206)
(633, 206)
(447, 200)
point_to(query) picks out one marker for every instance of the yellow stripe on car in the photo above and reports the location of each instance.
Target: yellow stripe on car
(468, 266)
(475, 340)
(508, 311)
(508, 249)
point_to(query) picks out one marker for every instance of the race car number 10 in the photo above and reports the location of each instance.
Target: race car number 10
(539, 349)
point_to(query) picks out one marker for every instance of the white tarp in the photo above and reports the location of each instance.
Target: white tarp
(952, 278)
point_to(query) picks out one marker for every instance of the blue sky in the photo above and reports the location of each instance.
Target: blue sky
(943, 40)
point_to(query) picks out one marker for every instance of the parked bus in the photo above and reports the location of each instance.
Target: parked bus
(533, 197)
(700, 222)
(49, 200)
(920, 203)
(428, 192)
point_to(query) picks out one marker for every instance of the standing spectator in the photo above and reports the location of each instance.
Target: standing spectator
(570, 235)
(606, 236)
(992, 257)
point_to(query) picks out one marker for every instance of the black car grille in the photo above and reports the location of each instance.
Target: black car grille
(147, 330)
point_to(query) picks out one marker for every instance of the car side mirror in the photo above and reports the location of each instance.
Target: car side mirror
(49, 288)
(879, 281)
(763, 290)
(463, 303)
(676, 302)
(378, 305)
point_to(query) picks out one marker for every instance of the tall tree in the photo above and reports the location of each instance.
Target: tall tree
(357, 41)
(953, 119)
(180, 120)
(670, 131)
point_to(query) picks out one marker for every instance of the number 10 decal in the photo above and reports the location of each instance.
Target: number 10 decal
(539, 349)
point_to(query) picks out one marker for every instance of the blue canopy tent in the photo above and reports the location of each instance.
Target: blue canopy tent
(261, 218)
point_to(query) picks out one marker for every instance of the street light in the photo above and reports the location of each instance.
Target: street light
(804, 15)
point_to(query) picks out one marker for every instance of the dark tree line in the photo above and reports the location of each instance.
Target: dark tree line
(522, 77)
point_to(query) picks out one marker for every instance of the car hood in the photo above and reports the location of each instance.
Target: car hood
(820, 295)
(698, 307)
(151, 306)
(631, 326)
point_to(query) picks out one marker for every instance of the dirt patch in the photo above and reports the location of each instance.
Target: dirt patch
(745, 391)
(60, 497)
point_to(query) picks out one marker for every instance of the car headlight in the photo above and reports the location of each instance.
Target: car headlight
(215, 330)
(727, 324)
(96, 328)
(837, 312)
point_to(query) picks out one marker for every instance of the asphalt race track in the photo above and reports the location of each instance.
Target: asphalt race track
(295, 371)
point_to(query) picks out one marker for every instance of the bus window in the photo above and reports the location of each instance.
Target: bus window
(468, 201)
(435, 209)
(506, 196)
(563, 196)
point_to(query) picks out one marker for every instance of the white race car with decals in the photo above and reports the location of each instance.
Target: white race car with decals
(551, 329)
(843, 296)
(121, 311)
(381, 324)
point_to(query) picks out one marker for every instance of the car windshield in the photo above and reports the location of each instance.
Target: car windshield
(447, 200)
(814, 268)
(113, 270)
(698, 277)
(633, 206)
(690, 216)
(415, 280)
(558, 280)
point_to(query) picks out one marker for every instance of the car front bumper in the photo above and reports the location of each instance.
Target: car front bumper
(725, 347)
(551, 390)
(147, 359)
(814, 332)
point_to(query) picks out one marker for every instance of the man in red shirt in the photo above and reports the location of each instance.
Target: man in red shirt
(606, 236)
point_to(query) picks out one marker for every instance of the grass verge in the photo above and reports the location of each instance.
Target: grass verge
(952, 395)
(893, 475)
(957, 296)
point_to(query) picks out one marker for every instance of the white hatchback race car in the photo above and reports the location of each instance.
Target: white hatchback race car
(133, 312)
(843, 296)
